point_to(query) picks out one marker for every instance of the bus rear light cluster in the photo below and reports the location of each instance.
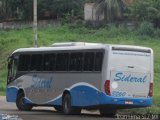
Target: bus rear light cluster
(107, 87)
(150, 94)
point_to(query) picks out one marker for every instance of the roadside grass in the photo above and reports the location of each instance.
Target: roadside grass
(13, 39)
(2, 93)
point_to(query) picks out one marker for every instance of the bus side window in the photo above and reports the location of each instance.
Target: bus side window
(88, 61)
(62, 60)
(49, 62)
(36, 62)
(98, 61)
(76, 61)
(24, 62)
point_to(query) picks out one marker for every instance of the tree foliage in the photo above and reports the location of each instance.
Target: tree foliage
(16, 9)
(23, 9)
(140, 10)
(145, 10)
(58, 8)
(113, 9)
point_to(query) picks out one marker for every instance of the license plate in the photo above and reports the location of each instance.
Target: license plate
(129, 102)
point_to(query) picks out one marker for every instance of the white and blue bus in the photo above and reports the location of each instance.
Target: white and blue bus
(75, 76)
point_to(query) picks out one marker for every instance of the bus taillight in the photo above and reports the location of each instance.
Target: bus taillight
(150, 94)
(107, 87)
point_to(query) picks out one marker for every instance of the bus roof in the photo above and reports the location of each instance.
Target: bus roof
(82, 47)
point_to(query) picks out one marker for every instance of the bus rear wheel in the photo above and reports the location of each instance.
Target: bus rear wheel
(67, 106)
(20, 103)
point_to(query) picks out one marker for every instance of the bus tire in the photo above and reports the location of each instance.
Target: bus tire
(68, 109)
(107, 112)
(20, 103)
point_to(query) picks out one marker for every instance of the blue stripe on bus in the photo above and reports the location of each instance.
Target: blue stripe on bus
(11, 94)
(55, 101)
(92, 97)
(142, 102)
(83, 96)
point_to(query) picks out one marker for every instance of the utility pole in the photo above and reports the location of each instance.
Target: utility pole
(35, 22)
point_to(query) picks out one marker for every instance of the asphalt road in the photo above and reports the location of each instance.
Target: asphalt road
(47, 113)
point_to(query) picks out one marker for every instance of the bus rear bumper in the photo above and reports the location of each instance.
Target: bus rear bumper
(125, 102)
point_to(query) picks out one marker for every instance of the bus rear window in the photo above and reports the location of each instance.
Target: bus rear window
(131, 49)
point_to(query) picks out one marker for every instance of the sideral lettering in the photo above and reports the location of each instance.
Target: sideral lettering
(120, 76)
(38, 82)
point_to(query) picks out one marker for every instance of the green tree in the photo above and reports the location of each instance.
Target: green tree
(16, 9)
(145, 10)
(113, 9)
(1, 9)
(59, 8)
(23, 9)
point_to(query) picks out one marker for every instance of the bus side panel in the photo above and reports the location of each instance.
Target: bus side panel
(46, 88)
(80, 85)
(84, 95)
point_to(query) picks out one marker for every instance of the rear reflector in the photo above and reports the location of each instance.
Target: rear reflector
(150, 94)
(107, 87)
